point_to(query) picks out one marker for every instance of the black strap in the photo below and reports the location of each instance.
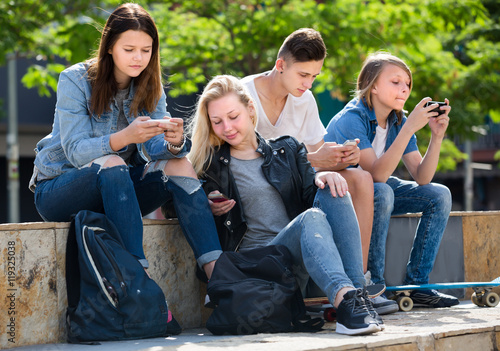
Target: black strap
(312, 325)
(302, 322)
(72, 268)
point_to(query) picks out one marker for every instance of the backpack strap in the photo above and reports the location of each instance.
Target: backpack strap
(73, 279)
(301, 321)
(72, 267)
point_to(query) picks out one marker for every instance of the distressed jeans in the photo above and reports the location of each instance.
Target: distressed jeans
(125, 194)
(325, 244)
(396, 197)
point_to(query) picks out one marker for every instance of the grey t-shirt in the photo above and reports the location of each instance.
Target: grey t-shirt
(264, 209)
(122, 122)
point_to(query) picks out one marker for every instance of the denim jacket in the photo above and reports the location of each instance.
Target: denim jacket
(356, 120)
(285, 167)
(78, 138)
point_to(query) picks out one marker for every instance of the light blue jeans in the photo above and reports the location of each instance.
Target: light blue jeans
(124, 194)
(325, 244)
(396, 197)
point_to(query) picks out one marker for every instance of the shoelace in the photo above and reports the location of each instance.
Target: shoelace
(357, 302)
(368, 304)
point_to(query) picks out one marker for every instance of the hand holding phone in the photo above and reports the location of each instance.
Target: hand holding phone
(166, 123)
(350, 143)
(217, 197)
(437, 109)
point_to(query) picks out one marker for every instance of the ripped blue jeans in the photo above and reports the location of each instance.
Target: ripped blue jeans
(125, 194)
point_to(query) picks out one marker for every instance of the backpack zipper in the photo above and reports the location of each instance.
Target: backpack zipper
(96, 271)
(118, 273)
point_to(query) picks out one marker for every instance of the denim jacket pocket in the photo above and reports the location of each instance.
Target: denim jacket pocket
(104, 118)
(57, 154)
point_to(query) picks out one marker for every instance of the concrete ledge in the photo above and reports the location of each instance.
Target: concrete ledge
(462, 328)
(33, 289)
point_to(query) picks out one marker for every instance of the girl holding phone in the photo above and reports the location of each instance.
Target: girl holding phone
(110, 109)
(387, 136)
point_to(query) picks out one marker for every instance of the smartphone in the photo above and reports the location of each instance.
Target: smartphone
(350, 143)
(437, 109)
(217, 197)
(166, 123)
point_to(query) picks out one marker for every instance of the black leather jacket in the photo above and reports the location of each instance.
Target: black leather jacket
(285, 167)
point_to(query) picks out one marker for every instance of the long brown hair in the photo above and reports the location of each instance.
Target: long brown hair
(148, 88)
(372, 67)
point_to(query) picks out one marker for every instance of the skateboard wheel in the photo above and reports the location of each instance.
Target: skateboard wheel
(405, 303)
(330, 315)
(477, 300)
(491, 299)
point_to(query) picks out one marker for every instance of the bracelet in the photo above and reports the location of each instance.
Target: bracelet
(177, 147)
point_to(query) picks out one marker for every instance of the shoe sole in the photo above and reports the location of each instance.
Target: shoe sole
(371, 328)
(387, 309)
(415, 304)
(375, 290)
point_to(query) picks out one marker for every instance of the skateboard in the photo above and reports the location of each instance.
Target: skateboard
(318, 304)
(482, 296)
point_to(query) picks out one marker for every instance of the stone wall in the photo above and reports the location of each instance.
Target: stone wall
(33, 288)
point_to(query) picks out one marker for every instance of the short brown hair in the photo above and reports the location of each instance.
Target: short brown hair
(303, 45)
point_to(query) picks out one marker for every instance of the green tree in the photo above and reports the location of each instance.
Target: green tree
(452, 46)
(47, 30)
(205, 38)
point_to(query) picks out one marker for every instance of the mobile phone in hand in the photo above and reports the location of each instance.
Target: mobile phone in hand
(437, 109)
(166, 123)
(217, 197)
(350, 143)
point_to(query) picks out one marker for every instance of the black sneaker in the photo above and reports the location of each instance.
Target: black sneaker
(353, 317)
(432, 298)
(383, 305)
(373, 312)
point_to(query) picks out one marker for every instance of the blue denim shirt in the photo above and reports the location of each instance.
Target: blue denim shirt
(356, 120)
(79, 137)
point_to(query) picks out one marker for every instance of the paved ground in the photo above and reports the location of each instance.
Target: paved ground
(463, 327)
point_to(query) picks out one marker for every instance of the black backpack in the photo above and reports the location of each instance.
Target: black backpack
(110, 296)
(255, 291)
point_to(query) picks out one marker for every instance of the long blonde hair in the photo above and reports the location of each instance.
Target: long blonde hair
(205, 142)
(372, 67)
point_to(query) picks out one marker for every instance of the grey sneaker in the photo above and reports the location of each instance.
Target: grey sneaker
(383, 305)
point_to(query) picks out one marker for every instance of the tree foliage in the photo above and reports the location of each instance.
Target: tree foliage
(452, 46)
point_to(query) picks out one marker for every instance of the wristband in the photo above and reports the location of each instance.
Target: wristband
(177, 147)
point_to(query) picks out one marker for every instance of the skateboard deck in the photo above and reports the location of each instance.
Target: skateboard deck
(482, 296)
(321, 304)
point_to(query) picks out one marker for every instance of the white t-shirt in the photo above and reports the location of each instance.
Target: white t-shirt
(379, 141)
(299, 117)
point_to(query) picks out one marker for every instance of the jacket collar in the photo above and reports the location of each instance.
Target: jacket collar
(391, 120)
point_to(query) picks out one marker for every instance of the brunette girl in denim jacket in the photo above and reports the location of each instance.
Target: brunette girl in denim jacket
(376, 117)
(110, 110)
